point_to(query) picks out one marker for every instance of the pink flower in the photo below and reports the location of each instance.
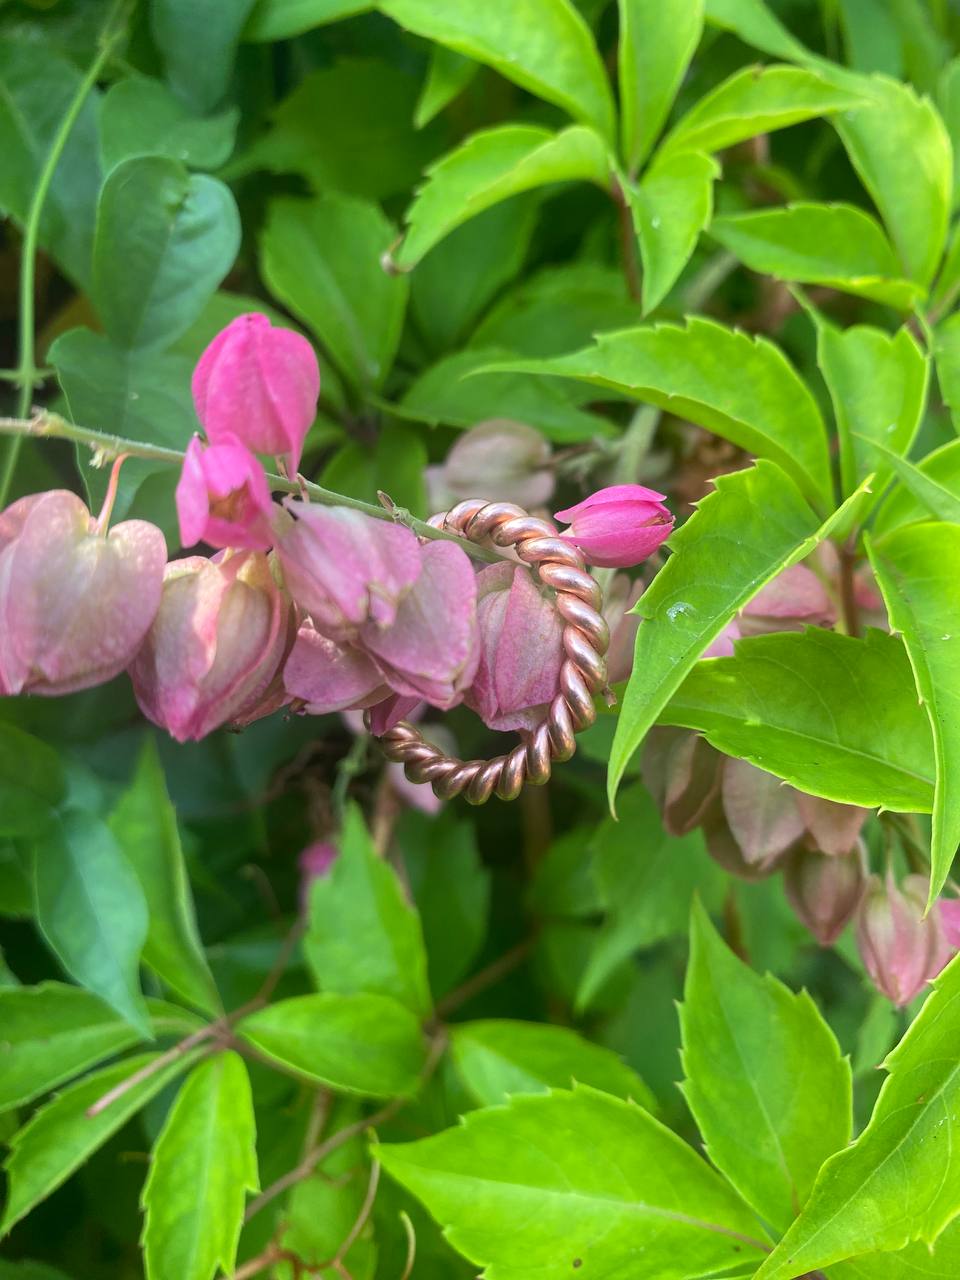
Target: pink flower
(502, 460)
(215, 651)
(618, 527)
(901, 948)
(327, 676)
(761, 812)
(950, 921)
(796, 598)
(260, 384)
(223, 498)
(824, 891)
(75, 602)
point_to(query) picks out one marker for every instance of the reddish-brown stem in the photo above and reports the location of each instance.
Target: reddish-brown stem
(628, 243)
(848, 592)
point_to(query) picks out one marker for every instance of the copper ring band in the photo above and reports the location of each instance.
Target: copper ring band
(561, 566)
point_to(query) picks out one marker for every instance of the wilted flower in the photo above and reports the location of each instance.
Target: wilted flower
(223, 498)
(260, 384)
(215, 650)
(900, 947)
(682, 772)
(830, 827)
(824, 891)
(500, 459)
(75, 602)
(761, 813)
(618, 527)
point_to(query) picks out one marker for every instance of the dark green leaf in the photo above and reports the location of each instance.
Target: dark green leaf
(670, 208)
(198, 42)
(657, 41)
(280, 19)
(31, 782)
(142, 117)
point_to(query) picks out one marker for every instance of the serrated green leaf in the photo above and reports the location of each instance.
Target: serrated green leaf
(900, 1180)
(61, 1136)
(382, 951)
(543, 45)
(764, 1078)
(197, 40)
(280, 19)
(916, 1262)
(917, 569)
(203, 1163)
(321, 258)
(946, 353)
(92, 911)
(657, 41)
(742, 388)
(932, 487)
(562, 1181)
(491, 166)
(670, 208)
(361, 1043)
(32, 782)
(837, 245)
(448, 75)
(830, 714)
(140, 116)
(756, 100)
(144, 824)
(753, 526)
(165, 239)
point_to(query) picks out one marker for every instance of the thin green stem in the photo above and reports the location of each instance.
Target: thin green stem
(28, 375)
(106, 447)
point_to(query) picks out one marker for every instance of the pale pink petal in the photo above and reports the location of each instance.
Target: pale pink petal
(761, 812)
(328, 676)
(832, 828)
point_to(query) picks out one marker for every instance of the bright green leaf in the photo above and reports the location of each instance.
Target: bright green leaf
(144, 824)
(932, 487)
(543, 45)
(670, 208)
(31, 782)
(360, 1043)
(753, 22)
(140, 116)
(764, 1078)
(657, 41)
(198, 41)
(203, 1163)
(946, 353)
(900, 1181)
(916, 1262)
(448, 75)
(492, 166)
(836, 245)
(918, 569)
(562, 1182)
(281, 19)
(830, 714)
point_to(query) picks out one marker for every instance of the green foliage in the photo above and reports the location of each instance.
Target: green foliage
(655, 48)
(31, 782)
(670, 207)
(141, 116)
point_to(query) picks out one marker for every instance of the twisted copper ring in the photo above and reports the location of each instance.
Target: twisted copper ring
(584, 672)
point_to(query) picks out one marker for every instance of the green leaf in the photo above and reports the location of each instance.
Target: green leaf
(198, 42)
(647, 879)
(279, 19)
(448, 75)
(753, 22)
(31, 782)
(92, 911)
(321, 258)
(395, 463)
(361, 1043)
(837, 245)
(862, 739)
(140, 116)
(916, 1262)
(742, 388)
(933, 486)
(900, 1180)
(764, 1078)
(878, 385)
(657, 41)
(491, 166)
(497, 1058)
(670, 208)
(60, 1137)
(756, 100)
(38, 88)
(899, 147)
(870, 36)
(754, 525)
(144, 824)
(542, 45)
(164, 242)
(202, 1164)
(917, 569)
(140, 395)
(24, 1270)
(552, 1183)
(946, 354)
(448, 393)
(948, 100)
(382, 950)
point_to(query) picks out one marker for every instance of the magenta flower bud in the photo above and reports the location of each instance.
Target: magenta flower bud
(345, 569)
(259, 384)
(521, 649)
(824, 891)
(215, 650)
(901, 949)
(618, 527)
(502, 460)
(223, 498)
(314, 862)
(761, 813)
(75, 602)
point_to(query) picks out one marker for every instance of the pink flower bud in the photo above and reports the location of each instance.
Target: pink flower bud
(722, 646)
(344, 568)
(794, 599)
(260, 384)
(901, 949)
(223, 498)
(75, 603)
(502, 460)
(761, 813)
(824, 891)
(832, 828)
(521, 649)
(950, 921)
(216, 648)
(618, 527)
(315, 862)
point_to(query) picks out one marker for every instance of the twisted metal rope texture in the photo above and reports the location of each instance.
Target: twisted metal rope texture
(586, 636)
